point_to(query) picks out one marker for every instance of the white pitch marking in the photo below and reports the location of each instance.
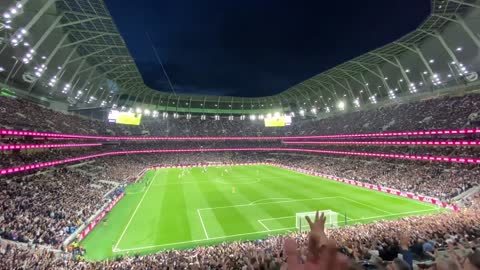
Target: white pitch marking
(270, 199)
(261, 223)
(366, 205)
(357, 219)
(203, 225)
(258, 232)
(243, 205)
(134, 212)
(200, 240)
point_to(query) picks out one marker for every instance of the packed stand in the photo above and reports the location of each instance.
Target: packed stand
(419, 241)
(421, 115)
(46, 207)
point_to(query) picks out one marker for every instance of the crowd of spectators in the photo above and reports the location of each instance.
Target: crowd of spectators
(45, 207)
(419, 241)
(456, 112)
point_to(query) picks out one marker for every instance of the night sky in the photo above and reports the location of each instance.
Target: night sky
(255, 48)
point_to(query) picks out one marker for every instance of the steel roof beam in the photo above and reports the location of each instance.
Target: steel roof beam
(464, 25)
(462, 2)
(39, 13)
(349, 90)
(91, 54)
(78, 22)
(83, 40)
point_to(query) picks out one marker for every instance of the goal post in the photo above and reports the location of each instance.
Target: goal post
(302, 224)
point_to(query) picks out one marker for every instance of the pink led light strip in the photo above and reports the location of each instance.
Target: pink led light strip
(159, 138)
(430, 143)
(380, 155)
(39, 146)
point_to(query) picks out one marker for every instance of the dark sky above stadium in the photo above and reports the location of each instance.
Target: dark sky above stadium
(255, 48)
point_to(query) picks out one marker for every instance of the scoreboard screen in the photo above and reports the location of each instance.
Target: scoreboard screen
(278, 121)
(124, 118)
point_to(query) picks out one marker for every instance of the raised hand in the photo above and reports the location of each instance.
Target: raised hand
(317, 236)
(322, 253)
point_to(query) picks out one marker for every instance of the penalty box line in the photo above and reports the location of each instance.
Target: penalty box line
(252, 233)
(261, 221)
(249, 205)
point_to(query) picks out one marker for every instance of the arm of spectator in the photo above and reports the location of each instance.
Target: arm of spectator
(406, 254)
(323, 253)
(317, 236)
(455, 258)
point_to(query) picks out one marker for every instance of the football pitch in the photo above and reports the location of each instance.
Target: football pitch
(181, 208)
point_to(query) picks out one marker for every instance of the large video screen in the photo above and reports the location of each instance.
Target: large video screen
(278, 121)
(124, 118)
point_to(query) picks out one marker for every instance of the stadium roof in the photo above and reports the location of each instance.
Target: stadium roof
(75, 53)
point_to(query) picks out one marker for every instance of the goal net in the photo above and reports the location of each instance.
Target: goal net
(302, 224)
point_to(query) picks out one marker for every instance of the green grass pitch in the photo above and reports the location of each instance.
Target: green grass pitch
(171, 209)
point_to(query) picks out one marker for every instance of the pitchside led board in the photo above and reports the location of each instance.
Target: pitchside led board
(125, 118)
(278, 121)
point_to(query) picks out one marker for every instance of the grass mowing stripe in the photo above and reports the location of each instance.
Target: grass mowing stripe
(366, 205)
(217, 195)
(168, 217)
(259, 232)
(261, 190)
(174, 213)
(133, 215)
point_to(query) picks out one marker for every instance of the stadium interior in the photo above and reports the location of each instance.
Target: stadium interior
(99, 171)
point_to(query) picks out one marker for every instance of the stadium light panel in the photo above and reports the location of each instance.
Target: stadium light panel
(356, 102)
(341, 105)
(459, 49)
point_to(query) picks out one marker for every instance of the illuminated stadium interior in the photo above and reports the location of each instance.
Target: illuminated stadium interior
(100, 171)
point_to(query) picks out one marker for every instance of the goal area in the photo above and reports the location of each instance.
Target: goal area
(302, 224)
